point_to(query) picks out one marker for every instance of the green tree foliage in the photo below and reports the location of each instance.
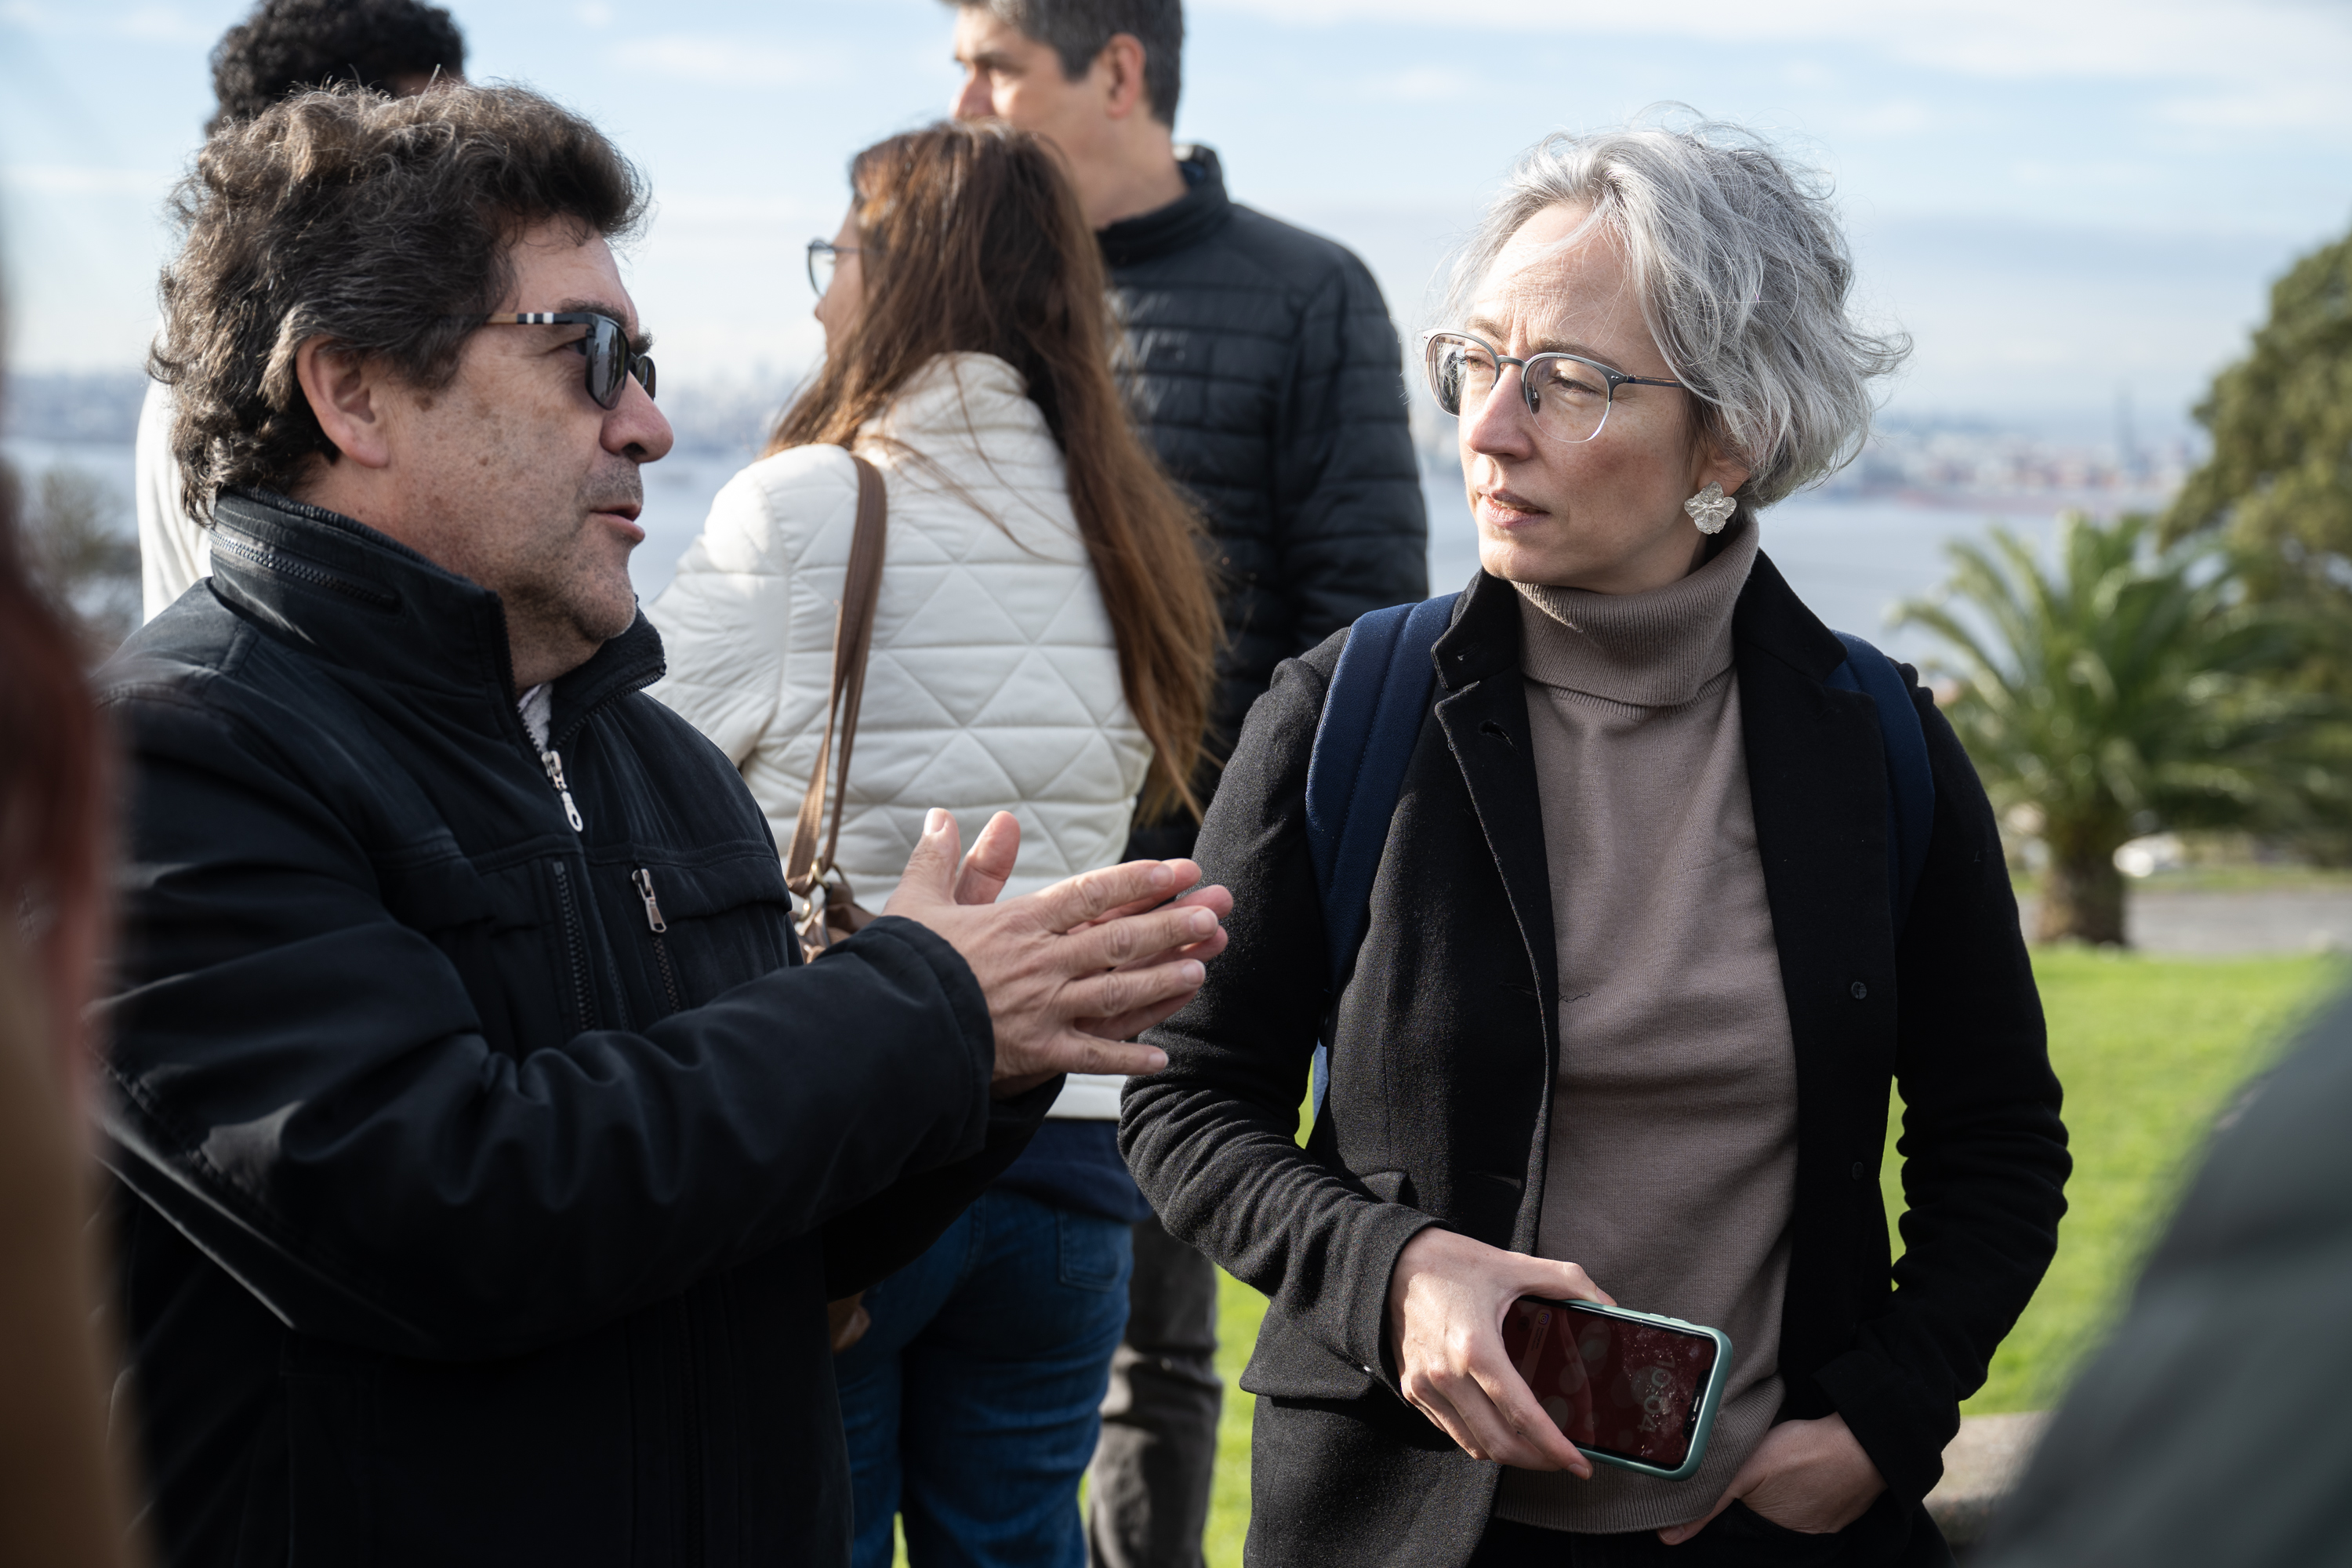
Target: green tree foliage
(2130, 690)
(2279, 479)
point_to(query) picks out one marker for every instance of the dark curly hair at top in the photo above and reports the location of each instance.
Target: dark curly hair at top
(291, 44)
(383, 223)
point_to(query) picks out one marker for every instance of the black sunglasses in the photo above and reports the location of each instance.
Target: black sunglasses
(606, 348)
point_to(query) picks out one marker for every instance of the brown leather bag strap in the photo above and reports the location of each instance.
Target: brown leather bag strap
(853, 639)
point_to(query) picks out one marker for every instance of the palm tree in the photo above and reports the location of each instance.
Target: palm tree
(2129, 691)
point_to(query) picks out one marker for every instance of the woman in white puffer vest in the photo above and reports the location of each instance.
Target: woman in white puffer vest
(1043, 645)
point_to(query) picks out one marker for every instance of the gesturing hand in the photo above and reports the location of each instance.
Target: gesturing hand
(1806, 1476)
(1071, 970)
(1446, 1301)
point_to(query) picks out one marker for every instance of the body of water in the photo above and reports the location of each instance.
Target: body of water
(1852, 558)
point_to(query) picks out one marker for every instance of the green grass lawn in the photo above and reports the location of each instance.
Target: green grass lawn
(2149, 1050)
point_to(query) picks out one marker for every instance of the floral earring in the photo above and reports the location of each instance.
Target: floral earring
(1710, 509)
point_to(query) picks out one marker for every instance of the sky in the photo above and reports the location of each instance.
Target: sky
(2064, 202)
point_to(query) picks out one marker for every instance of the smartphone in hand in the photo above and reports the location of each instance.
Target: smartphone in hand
(1630, 1389)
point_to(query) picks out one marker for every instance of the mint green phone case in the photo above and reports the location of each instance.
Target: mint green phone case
(1704, 1407)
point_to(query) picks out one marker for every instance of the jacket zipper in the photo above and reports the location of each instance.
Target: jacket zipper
(575, 944)
(269, 558)
(644, 879)
(552, 760)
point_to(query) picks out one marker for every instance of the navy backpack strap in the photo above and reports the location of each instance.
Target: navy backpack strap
(1371, 719)
(1911, 785)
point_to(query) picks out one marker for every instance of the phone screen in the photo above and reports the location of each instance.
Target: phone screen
(1628, 1389)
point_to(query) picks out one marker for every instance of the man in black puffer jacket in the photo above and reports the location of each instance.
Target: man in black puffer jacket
(1266, 371)
(486, 1156)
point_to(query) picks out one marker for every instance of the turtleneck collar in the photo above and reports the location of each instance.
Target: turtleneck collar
(1200, 211)
(1652, 651)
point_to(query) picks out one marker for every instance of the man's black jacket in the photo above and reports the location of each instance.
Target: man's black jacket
(1264, 371)
(476, 1220)
(1445, 1049)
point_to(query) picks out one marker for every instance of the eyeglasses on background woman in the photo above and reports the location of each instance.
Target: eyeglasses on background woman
(823, 257)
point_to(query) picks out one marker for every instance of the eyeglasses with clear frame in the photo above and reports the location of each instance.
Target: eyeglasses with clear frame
(1568, 396)
(611, 361)
(823, 257)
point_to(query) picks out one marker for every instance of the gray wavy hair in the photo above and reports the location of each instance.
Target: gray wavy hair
(1744, 276)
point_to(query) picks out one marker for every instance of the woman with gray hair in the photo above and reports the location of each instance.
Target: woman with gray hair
(1619, 939)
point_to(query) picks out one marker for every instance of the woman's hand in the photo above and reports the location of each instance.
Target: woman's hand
(1807, 1476)
(1446, 1301)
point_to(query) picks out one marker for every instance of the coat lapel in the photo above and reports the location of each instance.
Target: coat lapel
(1483, 712)
(1817, 777)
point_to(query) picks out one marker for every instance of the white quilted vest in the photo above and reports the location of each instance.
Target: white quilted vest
(994, 681)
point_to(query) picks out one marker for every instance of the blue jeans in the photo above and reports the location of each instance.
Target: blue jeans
(972, 1404)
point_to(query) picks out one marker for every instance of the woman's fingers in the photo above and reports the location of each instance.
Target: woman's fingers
(1539, 1440)
(1485, 1430)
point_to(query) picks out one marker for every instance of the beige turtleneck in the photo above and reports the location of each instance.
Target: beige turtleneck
(1673, 1156)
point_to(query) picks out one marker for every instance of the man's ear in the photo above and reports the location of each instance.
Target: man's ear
(1120, 67)
(347, 396)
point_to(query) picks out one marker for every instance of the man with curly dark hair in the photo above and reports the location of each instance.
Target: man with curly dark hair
(392, 47)
(395, 46)
(487, 1154)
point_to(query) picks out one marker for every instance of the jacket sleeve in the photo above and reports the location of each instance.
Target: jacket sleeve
(726, 618)
(1212, 1138)
(1983, 1150)
(1351, 533)
(302, 1083)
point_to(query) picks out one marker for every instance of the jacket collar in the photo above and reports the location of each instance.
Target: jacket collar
(1184, 223)
(364, 600)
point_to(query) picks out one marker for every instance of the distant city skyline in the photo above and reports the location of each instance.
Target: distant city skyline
(2063, 204)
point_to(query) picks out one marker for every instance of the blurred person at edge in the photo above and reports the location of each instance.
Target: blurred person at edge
(1043, 645)
(487, 1155)
(1261, 366)
(2211, 1426)
(61, 1497)
(1630, 997)
(395, 46)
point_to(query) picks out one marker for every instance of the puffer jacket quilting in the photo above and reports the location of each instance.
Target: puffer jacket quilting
(993, 682)
(1265, 371)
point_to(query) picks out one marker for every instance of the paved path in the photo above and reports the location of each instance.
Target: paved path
(1980, 1467)
(2282, 921)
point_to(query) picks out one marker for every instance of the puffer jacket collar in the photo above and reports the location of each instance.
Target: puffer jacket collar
(1184, 223)
(365, 600)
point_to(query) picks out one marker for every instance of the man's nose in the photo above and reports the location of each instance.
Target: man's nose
(971, 100)
(637, 427)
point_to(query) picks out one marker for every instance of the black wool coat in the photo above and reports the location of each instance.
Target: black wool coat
(1264, 371)
(1445, 1049)
(465, 1217)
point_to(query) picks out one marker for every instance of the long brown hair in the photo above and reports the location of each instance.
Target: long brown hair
(970, 239)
